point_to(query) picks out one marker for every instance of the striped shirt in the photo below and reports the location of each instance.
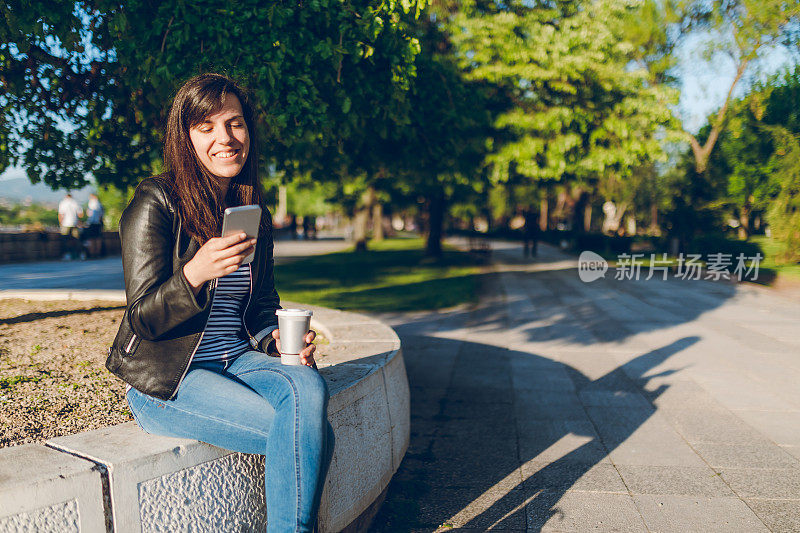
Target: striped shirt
(224, 337)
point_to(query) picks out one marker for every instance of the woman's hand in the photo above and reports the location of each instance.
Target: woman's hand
(307, 354)
(218, 257)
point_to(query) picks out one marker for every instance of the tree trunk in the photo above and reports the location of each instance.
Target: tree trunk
(281, 211)
(579, 198)
(654, 229)
(703, 153)
(587, 216)
(436, 207)
(377, 222)
(630, 225)
(544, 213)
(570, 203)
(361, 220)
(561, 202)
(744, 222)
(613, 216)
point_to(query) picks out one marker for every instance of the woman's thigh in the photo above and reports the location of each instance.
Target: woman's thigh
(210, 406)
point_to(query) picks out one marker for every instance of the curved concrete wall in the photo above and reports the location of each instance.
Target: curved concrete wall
(123, 478)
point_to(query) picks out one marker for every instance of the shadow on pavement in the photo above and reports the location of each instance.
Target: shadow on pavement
(500, 430)
(466, 448)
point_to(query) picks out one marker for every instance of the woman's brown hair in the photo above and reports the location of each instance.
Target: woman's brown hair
(196, 190)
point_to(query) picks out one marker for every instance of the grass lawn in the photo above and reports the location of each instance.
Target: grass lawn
(393, 275)
(771, 248)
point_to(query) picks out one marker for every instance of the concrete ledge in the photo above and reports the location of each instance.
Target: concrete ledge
(155, 483)
(43, 490)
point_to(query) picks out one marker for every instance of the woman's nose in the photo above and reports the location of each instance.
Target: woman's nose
(224, 136)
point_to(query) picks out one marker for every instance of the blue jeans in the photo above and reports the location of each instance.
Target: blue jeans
(254, 404)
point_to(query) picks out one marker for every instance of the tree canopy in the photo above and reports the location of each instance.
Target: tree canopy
(87, 84)
(578, 108)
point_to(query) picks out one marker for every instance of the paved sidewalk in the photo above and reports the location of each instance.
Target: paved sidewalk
(106, 273)
(555, 405)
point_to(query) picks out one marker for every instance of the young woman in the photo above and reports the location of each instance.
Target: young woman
(195, 341)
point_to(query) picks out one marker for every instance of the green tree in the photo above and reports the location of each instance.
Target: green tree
(745, 166)
(784, 210)
(444, 144)
(432, 149)
(739, 29)
(580, 110)
(87, 83)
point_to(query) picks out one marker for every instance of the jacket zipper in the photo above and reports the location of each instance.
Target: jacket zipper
(196, 346)
(130, 344)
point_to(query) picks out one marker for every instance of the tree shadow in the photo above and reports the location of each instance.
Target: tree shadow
(30, 317)
(468, 439)
(500, 436)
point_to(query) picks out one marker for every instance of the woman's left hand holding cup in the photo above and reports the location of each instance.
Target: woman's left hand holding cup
(307, 354)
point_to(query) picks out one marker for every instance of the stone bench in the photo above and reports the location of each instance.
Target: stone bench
(123, 478)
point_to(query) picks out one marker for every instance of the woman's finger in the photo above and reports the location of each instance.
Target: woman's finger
(242, 249)
(220, 243)
(311, 348)
(310, 336)
(236, 260)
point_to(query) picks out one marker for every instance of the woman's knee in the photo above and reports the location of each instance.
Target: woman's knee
(311, 387)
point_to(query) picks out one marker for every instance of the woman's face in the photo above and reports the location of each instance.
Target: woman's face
(222, 141)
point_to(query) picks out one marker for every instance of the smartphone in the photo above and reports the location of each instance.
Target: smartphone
(244, 218)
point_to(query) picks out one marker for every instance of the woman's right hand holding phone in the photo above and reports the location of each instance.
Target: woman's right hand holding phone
(218, 257)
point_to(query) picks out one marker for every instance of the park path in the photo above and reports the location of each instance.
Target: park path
(558, 405)
(106, 273)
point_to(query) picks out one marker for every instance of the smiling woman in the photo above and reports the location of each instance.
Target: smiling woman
(196, 340)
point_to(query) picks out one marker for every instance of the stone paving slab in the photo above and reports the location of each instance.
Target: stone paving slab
(551, 440)
(778, 515)
(679, 481)
(697, 514)
(781, 427)
(578, 512)
(761, 455)
(772, 483)
(569, 475)
(495, 510)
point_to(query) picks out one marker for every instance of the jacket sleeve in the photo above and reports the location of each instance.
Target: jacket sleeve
(158, 298)
(266, 301)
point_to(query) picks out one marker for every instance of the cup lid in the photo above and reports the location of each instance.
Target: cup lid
(293, 312)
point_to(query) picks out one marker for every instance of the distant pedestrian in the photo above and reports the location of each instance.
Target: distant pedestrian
(531, 233)
(69, 214)
(309, 227)
(94, 230)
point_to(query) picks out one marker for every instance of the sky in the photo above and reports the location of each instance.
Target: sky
(704, 84)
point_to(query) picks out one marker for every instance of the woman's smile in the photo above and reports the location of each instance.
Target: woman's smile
(227, 154)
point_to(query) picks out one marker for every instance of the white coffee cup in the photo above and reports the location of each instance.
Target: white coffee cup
(293, 325)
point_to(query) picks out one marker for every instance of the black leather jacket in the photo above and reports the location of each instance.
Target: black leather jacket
(164, 320)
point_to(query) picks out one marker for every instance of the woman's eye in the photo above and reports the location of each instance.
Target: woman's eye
(204, 130)
(237, 124)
